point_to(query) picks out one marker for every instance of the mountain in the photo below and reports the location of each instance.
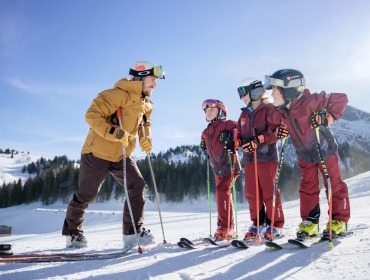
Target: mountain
(352, 133)
(353, 129)
(182, 171)
(12, 163)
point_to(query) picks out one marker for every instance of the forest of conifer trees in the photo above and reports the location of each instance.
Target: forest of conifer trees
(56, 180)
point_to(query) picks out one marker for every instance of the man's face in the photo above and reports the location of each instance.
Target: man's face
(149, 83)
(277, 96)
(211, 113)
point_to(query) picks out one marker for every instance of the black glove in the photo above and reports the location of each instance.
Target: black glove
(250, 144)
(281, 131)
(227, 137)
(318, 118)
(203, 144)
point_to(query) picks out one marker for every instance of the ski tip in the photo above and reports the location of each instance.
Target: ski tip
(273, 246)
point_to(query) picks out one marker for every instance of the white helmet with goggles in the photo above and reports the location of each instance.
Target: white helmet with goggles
(252, 86)
(142, 69)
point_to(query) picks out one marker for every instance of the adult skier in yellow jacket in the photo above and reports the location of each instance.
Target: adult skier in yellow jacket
(102, 152)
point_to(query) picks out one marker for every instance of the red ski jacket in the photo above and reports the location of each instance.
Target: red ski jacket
(257, 124)
(218, 155)
(297, 120)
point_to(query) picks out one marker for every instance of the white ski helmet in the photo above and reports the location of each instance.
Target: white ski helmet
(252, 86)
(143, 69)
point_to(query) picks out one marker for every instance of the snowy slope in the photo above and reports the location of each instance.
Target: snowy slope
(37, 229)
(11, 168)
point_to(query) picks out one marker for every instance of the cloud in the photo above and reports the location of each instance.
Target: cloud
(47, 90)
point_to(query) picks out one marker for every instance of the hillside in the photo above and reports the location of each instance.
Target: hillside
(11, 166)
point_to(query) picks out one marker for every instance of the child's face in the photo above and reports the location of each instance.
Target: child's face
(277, 96)
(246, 98)
(211, 113)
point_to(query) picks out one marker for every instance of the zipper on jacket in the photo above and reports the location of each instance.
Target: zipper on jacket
(295, 132)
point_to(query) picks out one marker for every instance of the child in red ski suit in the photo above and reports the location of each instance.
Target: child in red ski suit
(303, 112)
(256, 136)
(223, 166)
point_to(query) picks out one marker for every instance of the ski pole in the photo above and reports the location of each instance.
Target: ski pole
(275, 186)
(317, 132)
(155, 187)
(209, 199)
(258, 237)
(234, 195)
(140, 250)
(236, 159)
(229, 199)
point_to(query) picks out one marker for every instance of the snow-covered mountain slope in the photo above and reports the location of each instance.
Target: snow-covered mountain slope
(11, 167)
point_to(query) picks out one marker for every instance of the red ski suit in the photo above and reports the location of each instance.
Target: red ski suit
(223, 169)
(255, 123)
(297, 120)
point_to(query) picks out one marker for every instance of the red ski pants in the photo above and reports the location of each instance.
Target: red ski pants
(224, 201)
(266, 181)
(309, 191)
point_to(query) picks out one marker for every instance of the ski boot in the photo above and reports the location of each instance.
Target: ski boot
(277, 233)
(6, 249)
(144, 237)
(76, 241)
(223, 233)
(307, 229)
(338, 228)
(251, 233)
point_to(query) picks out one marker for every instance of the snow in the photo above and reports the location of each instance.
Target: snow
(37, 229)
(11, 168)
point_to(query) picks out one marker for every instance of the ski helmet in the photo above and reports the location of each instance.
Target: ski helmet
(252, 86)
(143, 69)
(213, 103)
(291, 83)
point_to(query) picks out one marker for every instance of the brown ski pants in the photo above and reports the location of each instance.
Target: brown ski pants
(93, 172)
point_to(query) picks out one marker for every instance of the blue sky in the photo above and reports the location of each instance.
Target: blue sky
(56, 56)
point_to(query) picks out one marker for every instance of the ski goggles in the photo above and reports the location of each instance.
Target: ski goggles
(244, 90)
(156, 71)
(293, 82)
(209, 103)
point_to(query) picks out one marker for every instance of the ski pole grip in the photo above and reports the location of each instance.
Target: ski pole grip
(118, 113)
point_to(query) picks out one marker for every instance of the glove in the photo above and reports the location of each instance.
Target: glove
(146, 144)
(122, 136)
(203, 144)
(322, 118)
(227, 137)
(250, 144)
(281, 131)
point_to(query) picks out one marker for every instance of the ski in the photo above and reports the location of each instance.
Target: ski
(219, 244)
(273, 245)
(60, 257)
(306, 242)
(205, 243)
(240, 244)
